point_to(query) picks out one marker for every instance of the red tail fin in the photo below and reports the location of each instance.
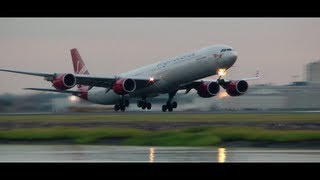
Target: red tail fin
(78, 64)
(79, 68)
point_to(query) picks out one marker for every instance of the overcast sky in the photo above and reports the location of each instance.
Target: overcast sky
(279, 47)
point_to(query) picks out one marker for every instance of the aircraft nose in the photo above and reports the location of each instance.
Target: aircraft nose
(233, 57)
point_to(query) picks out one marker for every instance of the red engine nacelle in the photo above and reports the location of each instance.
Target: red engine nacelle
(237, 88)
(208, 89)
(124, 86)
(64, 81)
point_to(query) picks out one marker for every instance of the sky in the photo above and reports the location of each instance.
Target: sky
(278, 47)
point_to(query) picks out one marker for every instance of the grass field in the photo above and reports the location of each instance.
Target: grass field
(169, 117)
(188, 136)
(195, 136)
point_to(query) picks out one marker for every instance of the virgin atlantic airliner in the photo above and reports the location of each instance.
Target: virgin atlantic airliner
(183, 72)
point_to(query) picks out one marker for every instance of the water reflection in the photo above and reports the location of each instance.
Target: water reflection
(79, 153)
(151, 155)
(222, 155)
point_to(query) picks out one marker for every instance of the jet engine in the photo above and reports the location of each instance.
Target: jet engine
(237, 88)
(124, 86)
(64, 81)
(208, 89)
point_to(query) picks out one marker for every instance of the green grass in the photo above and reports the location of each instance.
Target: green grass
(77, 135)
(207, 136)
(169, 117)
(196, 136)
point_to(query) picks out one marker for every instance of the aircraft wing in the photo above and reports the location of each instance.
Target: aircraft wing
(250, 78)
(195, 84)
(107, 82)
(257, 76)
(89, 80)
(30, 73)
(190, 85)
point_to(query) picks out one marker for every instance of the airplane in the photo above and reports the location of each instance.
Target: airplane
(183, 72)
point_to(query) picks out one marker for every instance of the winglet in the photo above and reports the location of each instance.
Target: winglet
(257, 74)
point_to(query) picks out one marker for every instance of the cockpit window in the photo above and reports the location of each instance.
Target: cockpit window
(223, 50)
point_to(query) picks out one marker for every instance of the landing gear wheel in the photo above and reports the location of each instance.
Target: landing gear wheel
(116, 107)
(169, 106)
(168, 103)
(123, 108)
(164, 108)
(174, 104)
(126, 103)
(139, 104)
(144, 104)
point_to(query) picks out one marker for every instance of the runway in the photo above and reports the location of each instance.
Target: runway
(101, 153)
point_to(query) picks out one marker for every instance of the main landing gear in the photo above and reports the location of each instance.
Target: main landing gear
(143, 104)
(121, 105)
(170, 105)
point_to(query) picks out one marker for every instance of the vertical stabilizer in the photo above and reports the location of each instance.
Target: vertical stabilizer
(79, 68)
(78, 65)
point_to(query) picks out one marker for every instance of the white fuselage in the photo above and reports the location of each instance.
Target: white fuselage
(172, 72)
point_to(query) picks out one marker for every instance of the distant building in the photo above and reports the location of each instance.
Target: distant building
(313, 72)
